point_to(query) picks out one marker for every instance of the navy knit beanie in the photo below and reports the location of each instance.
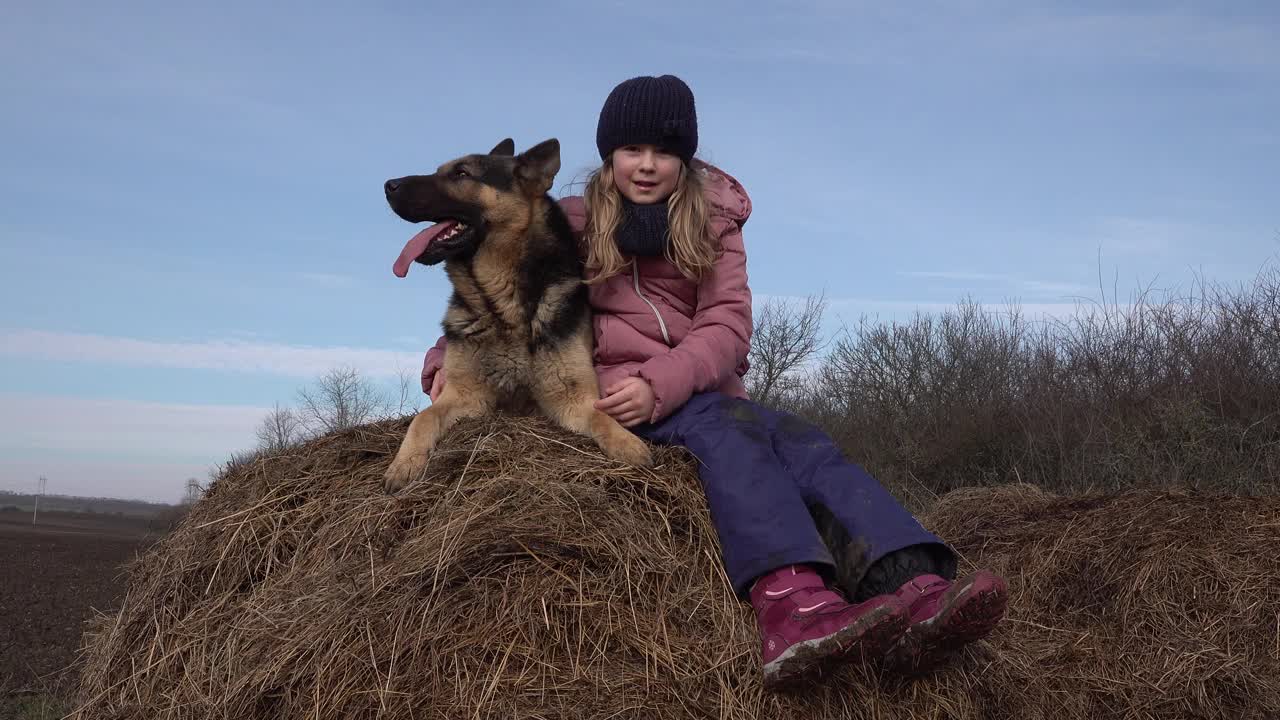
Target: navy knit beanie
(649, 111)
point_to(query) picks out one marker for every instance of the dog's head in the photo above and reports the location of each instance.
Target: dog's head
(473, 197)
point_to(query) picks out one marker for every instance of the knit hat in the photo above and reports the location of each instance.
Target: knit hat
(649, 111)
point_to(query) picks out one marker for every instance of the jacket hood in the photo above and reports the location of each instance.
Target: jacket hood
(728, 198)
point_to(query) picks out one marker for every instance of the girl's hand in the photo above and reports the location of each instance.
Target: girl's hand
(629, 401)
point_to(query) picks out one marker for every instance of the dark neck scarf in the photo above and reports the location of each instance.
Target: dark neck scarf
(643, 229)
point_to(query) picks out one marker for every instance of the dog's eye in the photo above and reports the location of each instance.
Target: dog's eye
(460, 172)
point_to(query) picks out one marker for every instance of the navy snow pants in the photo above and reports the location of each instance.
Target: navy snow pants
(781, 493)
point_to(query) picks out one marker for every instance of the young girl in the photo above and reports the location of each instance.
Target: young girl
(798, 524)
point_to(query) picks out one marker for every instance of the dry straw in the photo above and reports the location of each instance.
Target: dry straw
(528, 577)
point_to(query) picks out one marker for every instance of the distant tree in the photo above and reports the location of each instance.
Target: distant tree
(194, 491)
(408, 391)
(340, 399)
(784, 337)
(281, 428)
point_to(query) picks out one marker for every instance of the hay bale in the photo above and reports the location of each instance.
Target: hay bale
(529, 577)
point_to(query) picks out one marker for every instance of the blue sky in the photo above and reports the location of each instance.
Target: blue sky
(192, 224)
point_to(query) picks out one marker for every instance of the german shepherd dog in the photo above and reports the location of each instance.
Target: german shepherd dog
(518, 323)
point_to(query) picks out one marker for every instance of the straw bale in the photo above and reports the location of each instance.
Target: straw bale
(527, 576)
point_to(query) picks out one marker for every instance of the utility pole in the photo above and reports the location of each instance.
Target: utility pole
(44, 482)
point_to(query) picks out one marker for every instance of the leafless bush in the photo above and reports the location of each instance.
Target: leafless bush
(408, 391)
(784, 338)
(341, 399)
(281, 428)
(1179, 390)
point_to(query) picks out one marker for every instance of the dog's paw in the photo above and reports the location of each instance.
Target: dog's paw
(629, 448)
(403, 470)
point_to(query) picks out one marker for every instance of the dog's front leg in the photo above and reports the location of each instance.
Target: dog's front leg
(425, 431)
(615, 441)
(567, 393)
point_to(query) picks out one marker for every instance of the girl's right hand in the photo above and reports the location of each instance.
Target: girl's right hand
(437, 384)
(629, 401)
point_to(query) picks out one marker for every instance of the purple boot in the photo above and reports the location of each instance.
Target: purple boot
(946, 616)
(804, 625)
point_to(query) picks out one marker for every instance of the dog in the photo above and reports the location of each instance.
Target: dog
(518, 324)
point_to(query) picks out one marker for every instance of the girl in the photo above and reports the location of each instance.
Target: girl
(834, 567)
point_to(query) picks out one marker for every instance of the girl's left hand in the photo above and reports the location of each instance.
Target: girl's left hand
(629, 401)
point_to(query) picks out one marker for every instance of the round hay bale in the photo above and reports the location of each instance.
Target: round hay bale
(527, 576)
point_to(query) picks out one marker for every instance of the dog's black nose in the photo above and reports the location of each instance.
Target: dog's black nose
(390, 186)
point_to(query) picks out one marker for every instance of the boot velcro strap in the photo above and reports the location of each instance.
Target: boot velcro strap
(783, 583)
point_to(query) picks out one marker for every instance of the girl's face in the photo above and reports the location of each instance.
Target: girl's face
(645, 174)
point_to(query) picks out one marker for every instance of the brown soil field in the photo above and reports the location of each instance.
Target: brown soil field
(53, 576)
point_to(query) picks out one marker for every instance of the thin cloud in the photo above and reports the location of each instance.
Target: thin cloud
(126, 429)
(1174, 37)
(223, 355)
(1038, 288)
(151, 481)
(849, 309)
(903, 309)
(952, 275)
(117, 448)
(1145, 235)
(1048, 287)
(328, 280)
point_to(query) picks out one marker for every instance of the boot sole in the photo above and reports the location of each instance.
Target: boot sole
(971, 614)
(868, 639)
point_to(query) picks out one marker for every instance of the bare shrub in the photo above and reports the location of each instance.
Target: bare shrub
(1179, 390)
(281, 428)
(784, 338)
(408, 392)
(341, 399)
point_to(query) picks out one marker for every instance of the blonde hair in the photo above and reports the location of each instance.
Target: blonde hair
(693, 247)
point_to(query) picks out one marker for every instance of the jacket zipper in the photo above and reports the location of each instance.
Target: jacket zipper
(635, 280)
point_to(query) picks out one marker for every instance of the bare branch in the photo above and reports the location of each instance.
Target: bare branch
(281, 428)
(408, 390)
(340, 399)
(783, 340)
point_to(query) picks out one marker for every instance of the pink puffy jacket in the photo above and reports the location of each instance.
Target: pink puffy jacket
(679, 335)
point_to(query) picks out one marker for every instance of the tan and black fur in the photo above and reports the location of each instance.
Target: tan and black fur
(518, 324)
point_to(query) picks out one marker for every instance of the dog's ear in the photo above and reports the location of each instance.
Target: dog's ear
(506, 147)
(537, 167)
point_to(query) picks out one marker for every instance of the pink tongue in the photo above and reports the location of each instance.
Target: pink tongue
(418, 245)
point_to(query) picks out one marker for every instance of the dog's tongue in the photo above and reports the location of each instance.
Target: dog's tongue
(418, 245)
